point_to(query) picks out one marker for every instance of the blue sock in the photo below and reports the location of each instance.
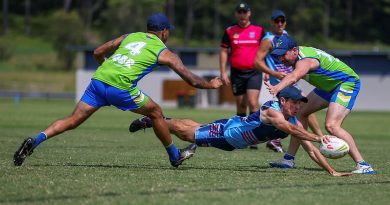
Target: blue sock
(39, 139)
(173, 152)
(288, 156)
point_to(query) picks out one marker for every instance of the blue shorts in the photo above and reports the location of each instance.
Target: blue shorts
(99, 94)
(211, 135)
(344, 94)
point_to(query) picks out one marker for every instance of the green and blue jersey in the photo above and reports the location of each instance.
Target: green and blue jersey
(136, 56)
(331, 73)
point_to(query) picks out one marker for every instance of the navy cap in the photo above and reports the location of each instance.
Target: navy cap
(158, 22)
(243, 7)
(277, 13)
(293, 93)
(283, 44)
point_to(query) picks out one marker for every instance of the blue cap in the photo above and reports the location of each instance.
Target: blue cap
(158, 22)
(283, 44)
(277, 13)
(293, 93)
(243, 7)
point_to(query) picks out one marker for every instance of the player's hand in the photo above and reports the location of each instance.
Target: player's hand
(271, 89)
(280, 75)
(341, 174)
(266, 77)
(216, 82)
(225, 79)
(326, 139)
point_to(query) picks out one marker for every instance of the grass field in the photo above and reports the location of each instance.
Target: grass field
(101, 163)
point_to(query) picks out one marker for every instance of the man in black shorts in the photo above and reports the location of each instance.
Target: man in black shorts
(243, 40)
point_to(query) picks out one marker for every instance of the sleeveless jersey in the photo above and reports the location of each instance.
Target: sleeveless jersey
(331, 73)
(243, 44)
(136, 56)
(244, 131)
(273, 61)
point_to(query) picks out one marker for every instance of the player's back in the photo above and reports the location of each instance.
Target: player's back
(135, 57)
(331, 71)
(251, 130)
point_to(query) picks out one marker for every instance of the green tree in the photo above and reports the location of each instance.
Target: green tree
(66, 30)
(126, 16)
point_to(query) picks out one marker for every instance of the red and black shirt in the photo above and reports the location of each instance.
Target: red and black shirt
(243, 44)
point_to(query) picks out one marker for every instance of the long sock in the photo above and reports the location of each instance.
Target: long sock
(39, 139)
(288, 156)
(173, 152)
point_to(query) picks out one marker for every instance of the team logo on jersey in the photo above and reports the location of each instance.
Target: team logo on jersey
(252, 34)
(236, 35)
(278, 43)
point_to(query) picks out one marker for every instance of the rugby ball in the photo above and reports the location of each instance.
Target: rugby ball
(334, 149)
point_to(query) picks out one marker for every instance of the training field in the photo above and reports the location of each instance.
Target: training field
(102, 163)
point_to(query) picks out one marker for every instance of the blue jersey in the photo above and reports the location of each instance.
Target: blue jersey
(272, 61)
(240, 132)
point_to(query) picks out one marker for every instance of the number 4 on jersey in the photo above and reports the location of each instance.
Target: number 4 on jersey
(135, 47)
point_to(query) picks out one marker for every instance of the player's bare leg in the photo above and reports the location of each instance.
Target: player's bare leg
(241, 104)
(252, 96)
(183, 128)
(314, 125)
(81, 112)
(334, 118)
(160, 128)
(154, 112)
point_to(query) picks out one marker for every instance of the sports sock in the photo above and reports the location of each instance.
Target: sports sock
(39, 139)
(288, 156)
(362, 162)
(241, 114)
(173, 152)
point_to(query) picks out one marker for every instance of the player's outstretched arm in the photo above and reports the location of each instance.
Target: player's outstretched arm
(277, 119)
(302, 67)
(173, 61)
(107, 47)
(317, 157)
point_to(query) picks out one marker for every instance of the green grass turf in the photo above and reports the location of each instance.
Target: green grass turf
(101, 163)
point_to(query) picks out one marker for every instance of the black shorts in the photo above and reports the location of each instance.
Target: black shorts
(243, 80)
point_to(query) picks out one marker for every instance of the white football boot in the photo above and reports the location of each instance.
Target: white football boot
(283, 163)
(363, 168)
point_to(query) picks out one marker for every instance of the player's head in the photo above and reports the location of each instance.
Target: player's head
(286, 49)
(158, 23)
(290, 99)
(243, 13)
(278, 22)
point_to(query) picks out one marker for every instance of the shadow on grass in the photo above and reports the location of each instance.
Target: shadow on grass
(249, 168)
(63, 197)
(258, 187)
(158, 167)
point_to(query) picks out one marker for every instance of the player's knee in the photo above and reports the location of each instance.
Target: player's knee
(331, 127)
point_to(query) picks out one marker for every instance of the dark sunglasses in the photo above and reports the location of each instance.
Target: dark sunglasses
(279, 21)
(242, 12)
